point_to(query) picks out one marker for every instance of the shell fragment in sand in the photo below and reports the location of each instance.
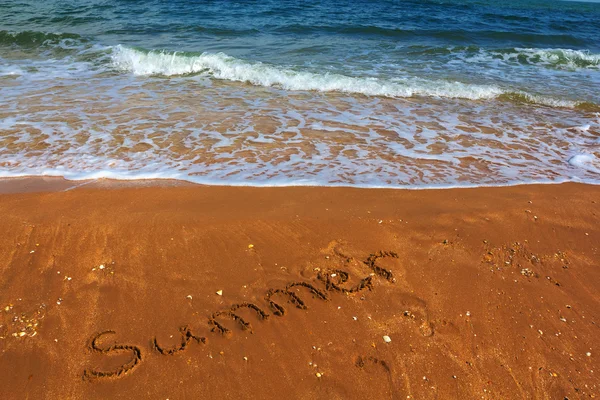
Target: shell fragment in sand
(387, 339)
(220, 292)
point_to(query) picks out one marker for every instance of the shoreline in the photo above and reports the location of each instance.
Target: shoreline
(35, 183)
(487, 292)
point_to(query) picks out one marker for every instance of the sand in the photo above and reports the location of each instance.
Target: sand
(176, 291)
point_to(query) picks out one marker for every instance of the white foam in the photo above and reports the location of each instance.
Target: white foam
(222, 66)
(225, 67)
(208, 131)
(589, 162)
(583, 128)
(568, 58)
(362, 159)
(548, 101)
(45, 70)
(277, 182)
(10, 70)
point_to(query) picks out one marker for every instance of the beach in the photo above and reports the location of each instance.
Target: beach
(338, 93)
(172, 290)
(308, 200)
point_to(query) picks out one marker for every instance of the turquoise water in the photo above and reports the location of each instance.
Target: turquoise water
(373, 93)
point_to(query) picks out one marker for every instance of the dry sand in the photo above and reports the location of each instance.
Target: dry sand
(111, 292)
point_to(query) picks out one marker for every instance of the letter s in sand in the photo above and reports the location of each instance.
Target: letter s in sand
(90, 374)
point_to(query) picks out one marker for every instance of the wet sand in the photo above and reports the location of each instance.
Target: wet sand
(178, 291)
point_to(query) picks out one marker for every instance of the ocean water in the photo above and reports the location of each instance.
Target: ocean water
(380, 93)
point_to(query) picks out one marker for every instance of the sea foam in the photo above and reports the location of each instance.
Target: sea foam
(588, 162)
(562, 58)
(223, 66)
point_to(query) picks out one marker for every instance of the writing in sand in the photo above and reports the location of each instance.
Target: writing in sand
(333, 281)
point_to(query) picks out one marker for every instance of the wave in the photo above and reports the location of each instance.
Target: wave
(528, 98)
(225, 67)
(34, 39)
(222, 66)
(561, 58)
(553, 58)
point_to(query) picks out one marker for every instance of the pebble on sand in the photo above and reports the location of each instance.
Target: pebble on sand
(387, 339)
(220, 292)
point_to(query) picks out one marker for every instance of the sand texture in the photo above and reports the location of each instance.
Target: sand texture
(185, 292)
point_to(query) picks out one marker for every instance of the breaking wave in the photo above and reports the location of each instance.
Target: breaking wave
(34, 39)
(559, 58)
(222, 66)
(225, 67)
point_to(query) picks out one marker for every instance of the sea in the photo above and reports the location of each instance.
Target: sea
(378, 93)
